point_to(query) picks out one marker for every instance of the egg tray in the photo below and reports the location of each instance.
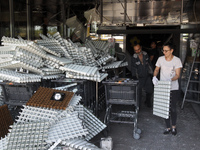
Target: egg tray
(42, 98)
(28, 135)
(91, 122)
(161, 104)
(68, 127)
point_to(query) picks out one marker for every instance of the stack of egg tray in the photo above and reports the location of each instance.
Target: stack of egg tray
(50, 51)
(112, 65)
(98, 77)
(78, 44)
(89, 44)
(42, 98)
(61, 61)
(161, 104)
(29, 135)
(58, 37)
(93, 124)
(87, 56)
(44, 37)
(17, 77)
(50, 45)
(61, 41)
(13, 41)
(79, 69)
(19, 65)
(51, 71)
(101, 45)
(5, 120)
(19, 53)
(124, 64)
(30, 57)
(75, 54)
(20, 58)
(105, 59)
(83, 72)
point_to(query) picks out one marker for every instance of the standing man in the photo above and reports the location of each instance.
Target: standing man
(153, 53)
(170, 69)
(141, 69)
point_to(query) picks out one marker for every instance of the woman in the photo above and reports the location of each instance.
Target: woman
(170, 69)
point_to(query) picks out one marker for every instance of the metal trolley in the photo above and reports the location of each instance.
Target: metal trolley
(118, 92)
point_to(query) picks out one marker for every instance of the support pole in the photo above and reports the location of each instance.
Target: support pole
(28, 7)
(12, 32)
(64, 19)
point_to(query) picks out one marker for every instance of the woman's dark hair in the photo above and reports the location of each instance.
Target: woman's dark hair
(171, 46)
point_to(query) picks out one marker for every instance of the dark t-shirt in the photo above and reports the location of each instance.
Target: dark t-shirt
(154, 52)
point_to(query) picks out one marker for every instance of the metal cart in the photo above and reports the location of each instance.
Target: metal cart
(122, 91)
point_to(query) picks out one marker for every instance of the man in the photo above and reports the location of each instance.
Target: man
(153, 53)
(170, 69)
(142, 70)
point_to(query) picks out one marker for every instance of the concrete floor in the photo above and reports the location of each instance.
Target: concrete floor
(152, 137)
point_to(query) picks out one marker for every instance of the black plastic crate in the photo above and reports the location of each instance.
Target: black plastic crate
(121, 91)
(18, 93)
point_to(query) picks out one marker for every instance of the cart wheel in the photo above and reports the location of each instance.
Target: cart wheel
(139, 131)
(136, 136)
(105, 132)
(107, 115)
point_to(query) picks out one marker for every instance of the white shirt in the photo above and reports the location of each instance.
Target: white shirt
(167, 70)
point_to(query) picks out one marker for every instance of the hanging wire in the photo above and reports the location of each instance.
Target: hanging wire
(124, 9)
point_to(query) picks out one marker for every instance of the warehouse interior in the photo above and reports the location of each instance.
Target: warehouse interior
(65, 73)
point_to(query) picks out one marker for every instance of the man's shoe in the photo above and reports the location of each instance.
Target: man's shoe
(167, 131)
(174, 131)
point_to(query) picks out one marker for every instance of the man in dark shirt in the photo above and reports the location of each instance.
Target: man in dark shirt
(153, 54)
(141, 69)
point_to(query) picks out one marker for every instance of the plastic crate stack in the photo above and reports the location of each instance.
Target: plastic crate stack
(41, 125)
(161, 104)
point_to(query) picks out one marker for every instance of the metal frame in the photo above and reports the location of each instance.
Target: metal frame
(132, 115)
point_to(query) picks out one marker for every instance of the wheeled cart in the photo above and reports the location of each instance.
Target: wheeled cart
(122, 92)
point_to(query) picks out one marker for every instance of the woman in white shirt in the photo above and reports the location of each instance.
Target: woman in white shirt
(170, 69)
